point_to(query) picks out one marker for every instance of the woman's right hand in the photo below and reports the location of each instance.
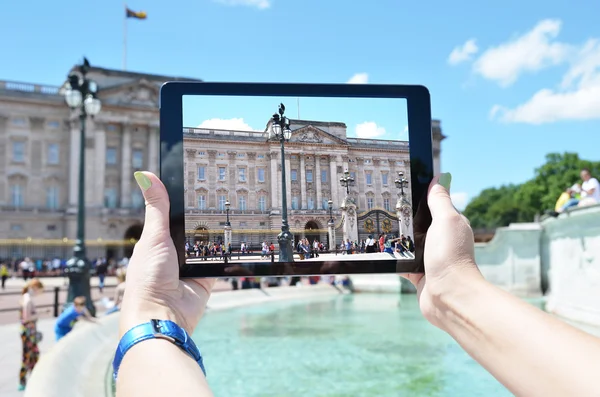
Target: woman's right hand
(448, 255)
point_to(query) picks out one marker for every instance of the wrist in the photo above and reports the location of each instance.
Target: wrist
(452, 295)
(137, 311)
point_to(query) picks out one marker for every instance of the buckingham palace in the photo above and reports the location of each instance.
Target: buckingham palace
(39, 157)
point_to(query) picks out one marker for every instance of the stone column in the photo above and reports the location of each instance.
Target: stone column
(331, 233)
(99, 166)
(377, 182)
(318, 181)
(232, 179)
(274, 183)
(288, 179)
(361, 184)
(404, 214)
(251, 178)
(350, 226)
(126, 174)
(212, 179)
(74, 162)
(153, 151)
(303, 204)
(333, 181)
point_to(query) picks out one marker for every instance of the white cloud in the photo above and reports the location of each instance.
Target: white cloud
(530, 52)
(577, 97)
(236, 124)
(369, 130)
(460, 200)
(463, 53)
(359, 78)
(260, 4)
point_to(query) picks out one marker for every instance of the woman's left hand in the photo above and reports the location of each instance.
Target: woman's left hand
(154, 290)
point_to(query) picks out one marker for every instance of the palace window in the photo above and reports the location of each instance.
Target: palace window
(201, 202)
(241, 155)
(353, 175)
(221, 173)
(261, 174)
(262, 203)
(324, 176)
(242, 174)
(52, 197)
(295, 202)
(110, 197)
(18, 152)
(201, 173)
(16, 195)
(311, 203)
(309, 176)
(137, 199)
(260, 156)
(325, 204)
(369, 178)
(294, 175)
(53, 153)
(367, 161)
(19, 121)
(137, 159)
(384, 178)
(386, 204)
(370, 203)
(242, 203)
(201, 153)
(111, 155)
(222, 201)
(53, 124)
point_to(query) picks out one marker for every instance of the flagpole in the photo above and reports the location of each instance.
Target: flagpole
(125, 36)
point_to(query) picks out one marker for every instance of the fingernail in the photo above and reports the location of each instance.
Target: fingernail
(445, 180)
(142, 180)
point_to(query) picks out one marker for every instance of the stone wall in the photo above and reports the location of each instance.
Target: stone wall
(511, 260)
(570, 251)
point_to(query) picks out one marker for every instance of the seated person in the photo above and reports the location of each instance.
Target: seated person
(590, 191)
(571, 193)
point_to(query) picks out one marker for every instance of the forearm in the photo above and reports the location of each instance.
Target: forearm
(157, 367)
(526, 349)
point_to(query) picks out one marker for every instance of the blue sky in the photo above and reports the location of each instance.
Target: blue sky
(378, 118)
(537, 57)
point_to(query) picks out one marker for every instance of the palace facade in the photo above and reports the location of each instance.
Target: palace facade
(39, 157)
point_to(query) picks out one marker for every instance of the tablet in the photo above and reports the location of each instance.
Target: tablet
(296, 179)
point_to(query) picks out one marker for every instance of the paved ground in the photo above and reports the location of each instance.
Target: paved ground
(322, 257)
(10, 356)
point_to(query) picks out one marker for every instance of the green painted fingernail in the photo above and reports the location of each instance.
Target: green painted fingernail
(445, 180)
(142, 180)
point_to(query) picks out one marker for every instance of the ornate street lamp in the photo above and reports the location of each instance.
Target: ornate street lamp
(347, 181)
(401, 183)
(227, 205)
(81, 95)
(278, 129)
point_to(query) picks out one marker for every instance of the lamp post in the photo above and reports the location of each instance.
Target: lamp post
(346, 181)
(330, 226)
(227, 206)
(401, 183)
(278, 129)
(80, 94)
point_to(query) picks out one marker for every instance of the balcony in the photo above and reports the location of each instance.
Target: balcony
(31, 210)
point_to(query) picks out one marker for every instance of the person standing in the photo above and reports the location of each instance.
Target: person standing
(28, 329)
(3, 273)
(101, 270)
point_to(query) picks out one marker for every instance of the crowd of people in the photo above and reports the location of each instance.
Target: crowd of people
(402, 245)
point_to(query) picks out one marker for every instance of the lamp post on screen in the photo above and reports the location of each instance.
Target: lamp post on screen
(346, 181)
(80, 94)
(278, 130)
(401, 183)
(227, 240)
(330, 227)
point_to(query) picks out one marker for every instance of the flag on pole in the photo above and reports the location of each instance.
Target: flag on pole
(135, 14)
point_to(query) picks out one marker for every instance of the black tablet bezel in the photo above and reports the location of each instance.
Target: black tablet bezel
(421, 160)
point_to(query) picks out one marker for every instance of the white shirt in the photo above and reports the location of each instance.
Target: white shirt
(591, 183)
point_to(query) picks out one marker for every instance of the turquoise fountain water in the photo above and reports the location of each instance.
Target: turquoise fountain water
(352, 345)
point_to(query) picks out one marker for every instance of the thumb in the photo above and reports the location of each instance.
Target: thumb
(157, 202)
(438, 199)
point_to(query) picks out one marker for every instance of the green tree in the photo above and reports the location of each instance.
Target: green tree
(496, 207)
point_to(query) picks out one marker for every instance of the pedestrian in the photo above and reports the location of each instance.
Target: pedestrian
(119, 290)
(101, 270)
(68, 318)
(28, 329)
(3, 273)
